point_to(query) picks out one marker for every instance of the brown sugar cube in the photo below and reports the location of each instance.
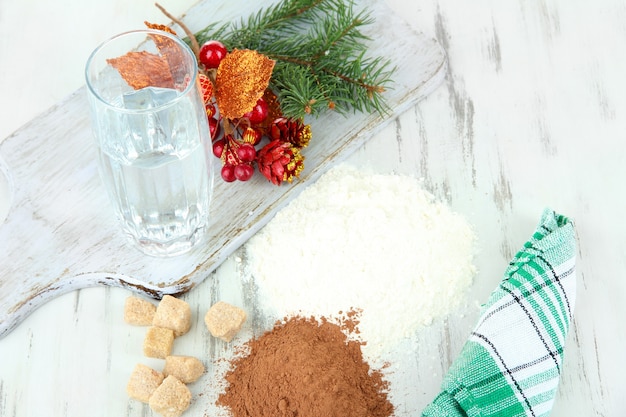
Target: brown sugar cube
(224, 320)
(158, 342)
(143, 382)
(172, 313)
(186, 368)
(138, 312)
(171, 398)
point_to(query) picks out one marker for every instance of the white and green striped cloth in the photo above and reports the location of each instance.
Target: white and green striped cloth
(511, 364)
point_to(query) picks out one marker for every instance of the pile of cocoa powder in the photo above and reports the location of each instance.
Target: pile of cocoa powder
(305, 367)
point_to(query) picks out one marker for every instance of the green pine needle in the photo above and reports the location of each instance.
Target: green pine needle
(320, 53)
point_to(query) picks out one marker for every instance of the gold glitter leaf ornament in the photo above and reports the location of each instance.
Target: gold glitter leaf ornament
(242, 77)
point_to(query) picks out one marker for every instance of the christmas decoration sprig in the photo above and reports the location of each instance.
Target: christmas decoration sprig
(262, 76)
(319, 51)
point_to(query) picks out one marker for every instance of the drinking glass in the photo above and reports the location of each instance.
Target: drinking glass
(152, 137)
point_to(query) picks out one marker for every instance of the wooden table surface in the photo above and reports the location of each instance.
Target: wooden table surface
(531, 115)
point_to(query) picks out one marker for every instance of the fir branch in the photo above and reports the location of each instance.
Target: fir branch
(320, 53)
(284, 17)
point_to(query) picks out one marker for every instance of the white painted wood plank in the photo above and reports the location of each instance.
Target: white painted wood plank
(59, 234)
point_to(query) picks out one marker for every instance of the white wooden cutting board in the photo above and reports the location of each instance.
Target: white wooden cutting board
(60, 233)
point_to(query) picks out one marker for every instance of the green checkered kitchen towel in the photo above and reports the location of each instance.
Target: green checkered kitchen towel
(511, 364)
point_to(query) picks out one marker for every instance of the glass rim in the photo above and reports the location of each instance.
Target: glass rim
(181, 93)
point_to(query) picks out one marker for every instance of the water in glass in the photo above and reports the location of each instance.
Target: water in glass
(155, 168)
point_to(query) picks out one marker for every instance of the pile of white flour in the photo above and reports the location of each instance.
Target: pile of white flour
(378, 243)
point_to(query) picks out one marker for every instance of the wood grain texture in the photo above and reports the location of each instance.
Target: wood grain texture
(531, 114)
(59, 234)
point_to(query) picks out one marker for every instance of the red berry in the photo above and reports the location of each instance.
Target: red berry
(214, 127)
(212, 53)
(243, 172)
(228, 173)
(258, 113)
(246, 152)
(218, 147)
